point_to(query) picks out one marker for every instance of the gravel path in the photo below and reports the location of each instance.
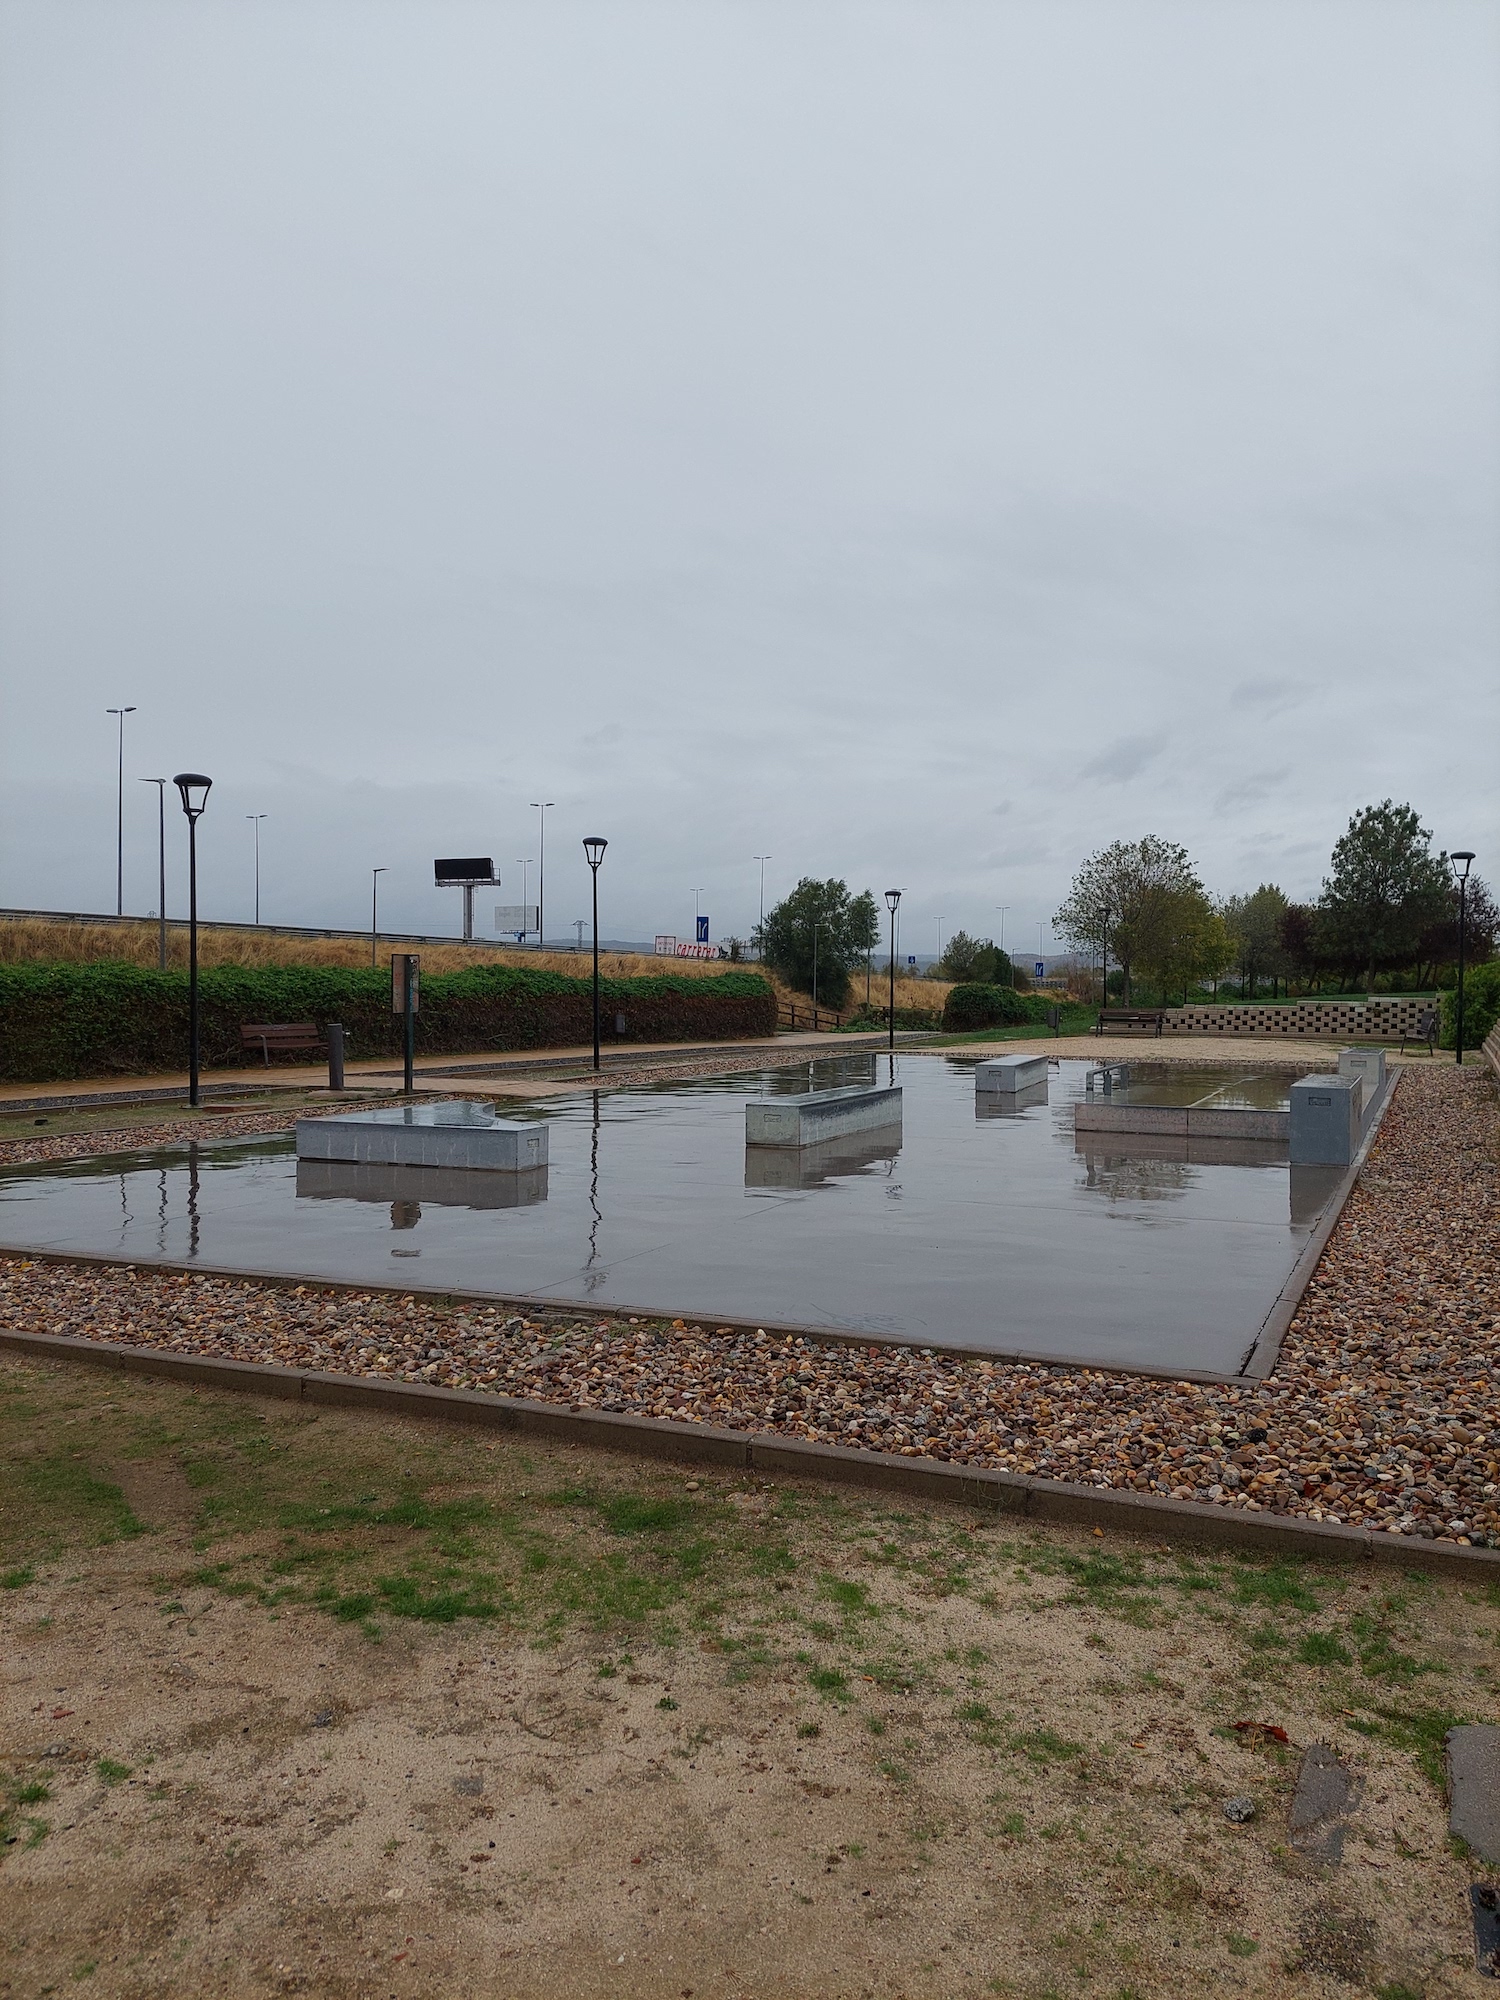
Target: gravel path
(1384, 1408)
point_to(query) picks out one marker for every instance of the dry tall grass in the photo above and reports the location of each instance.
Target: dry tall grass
(32, 941)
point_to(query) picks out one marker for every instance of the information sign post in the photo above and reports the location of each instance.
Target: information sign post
(405, 1000)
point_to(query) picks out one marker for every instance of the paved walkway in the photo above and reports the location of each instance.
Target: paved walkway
(430, 1072)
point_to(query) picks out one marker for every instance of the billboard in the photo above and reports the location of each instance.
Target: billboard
(666, 947)
(515, 917)
(466, 869)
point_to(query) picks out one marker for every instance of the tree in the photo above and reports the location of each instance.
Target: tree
(1184, 942)
(1301, 941)
(822, 922)
(1254, 926)
(1438, 944)
(1120, 900)
(1385, 887)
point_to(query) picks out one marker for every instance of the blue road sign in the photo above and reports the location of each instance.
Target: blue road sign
(1041, 969)
(703, 930)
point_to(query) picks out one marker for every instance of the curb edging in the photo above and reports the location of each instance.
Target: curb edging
(1012, 1493)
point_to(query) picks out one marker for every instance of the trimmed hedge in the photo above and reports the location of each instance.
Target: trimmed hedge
(112, 1018)
(1481, 1005)
(977, 1006)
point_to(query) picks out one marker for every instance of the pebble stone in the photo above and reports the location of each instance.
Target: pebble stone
(1383, 1410)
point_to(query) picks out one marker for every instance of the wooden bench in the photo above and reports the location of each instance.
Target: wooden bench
(283, 1038)
(1129, 1017)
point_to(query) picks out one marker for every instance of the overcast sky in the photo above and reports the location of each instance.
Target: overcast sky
(918, 442)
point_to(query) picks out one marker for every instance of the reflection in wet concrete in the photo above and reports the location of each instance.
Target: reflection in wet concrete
(1006, 1233)
(1154, 1166)
(1312, 1190)
(803, 1167)
(406, 1188)
(1008, 1104)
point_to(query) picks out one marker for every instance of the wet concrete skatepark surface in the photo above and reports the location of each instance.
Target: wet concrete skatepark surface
(979, 1223)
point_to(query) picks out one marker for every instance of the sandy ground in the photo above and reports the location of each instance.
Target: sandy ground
(704, 1738)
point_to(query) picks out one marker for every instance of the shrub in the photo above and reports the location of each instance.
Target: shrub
(976, 1006)
(113, 1018)
(1481, 1005)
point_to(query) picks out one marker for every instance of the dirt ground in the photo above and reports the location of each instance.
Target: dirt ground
(328, 1704)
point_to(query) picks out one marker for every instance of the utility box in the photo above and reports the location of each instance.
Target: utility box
(1008, 1074)
(1369, 1066)
(1325, 1120)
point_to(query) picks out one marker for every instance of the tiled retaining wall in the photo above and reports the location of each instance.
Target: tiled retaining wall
(1328, 1020)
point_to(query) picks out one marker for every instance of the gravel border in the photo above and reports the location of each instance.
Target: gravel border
(1382, 1410)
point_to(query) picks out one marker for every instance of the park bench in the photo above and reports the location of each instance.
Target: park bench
(1426, 1031)
(1129, 1017)
(282, 1038)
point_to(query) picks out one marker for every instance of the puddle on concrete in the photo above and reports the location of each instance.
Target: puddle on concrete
(971, 1226)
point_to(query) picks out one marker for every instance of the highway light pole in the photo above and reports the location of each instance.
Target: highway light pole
(120, 812)
(161, 864)
(255, 820)
(541, 875)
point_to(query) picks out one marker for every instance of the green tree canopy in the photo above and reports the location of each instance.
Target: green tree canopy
(1385, 887)
(1255, 924)
(822, 922)
(1125, 897)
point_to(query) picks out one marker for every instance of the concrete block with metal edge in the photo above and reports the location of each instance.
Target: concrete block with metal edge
(1009, 1074)
(457, 1133)
(1368, 1065)
(1325, 1120)
(1474, 1788)
(816, 1115)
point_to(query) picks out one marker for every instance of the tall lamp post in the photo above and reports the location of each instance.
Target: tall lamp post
(523, 864)
(762, 859)
(594, 847)
(541, 875)
(1002, 908)
(1466, 856)
(120, 812)
(194, 789)
(255, 820)
(161, 863)
(375, 875)
(892, 898)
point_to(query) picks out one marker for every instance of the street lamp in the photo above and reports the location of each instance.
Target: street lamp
(375, 875)
(161, 858)
(594, 847)
(120, 812)
(541, 875)
(1466, 856)
(1002, 908)
(523, 865)
(892, 898)
(762, 859)
(194, 789)
(255, 820)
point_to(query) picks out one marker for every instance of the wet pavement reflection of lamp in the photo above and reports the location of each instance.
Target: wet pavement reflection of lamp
(194, 789)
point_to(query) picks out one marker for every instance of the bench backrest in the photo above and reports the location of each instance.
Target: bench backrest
(280, 1031)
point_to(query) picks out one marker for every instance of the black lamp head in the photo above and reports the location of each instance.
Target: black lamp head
(594, 847)
(892, 898)
(1466, 856)
(194, 788)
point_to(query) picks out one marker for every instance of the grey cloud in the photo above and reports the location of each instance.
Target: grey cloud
(1126, 758)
